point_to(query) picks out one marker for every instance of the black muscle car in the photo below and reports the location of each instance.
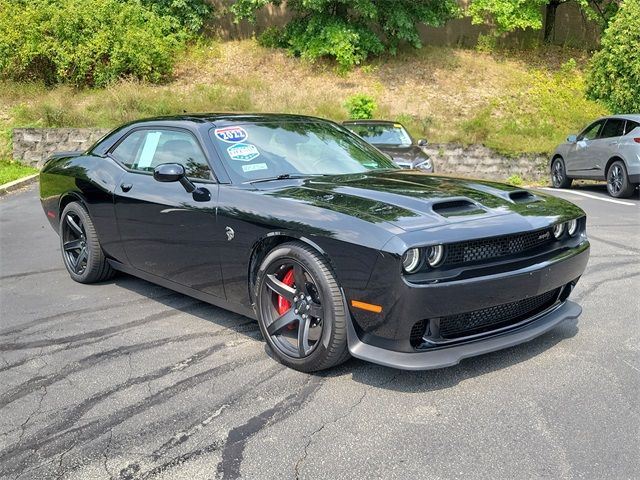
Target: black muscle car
(394, 140)
(302, 225)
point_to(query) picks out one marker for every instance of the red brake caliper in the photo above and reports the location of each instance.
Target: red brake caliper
(283, 303)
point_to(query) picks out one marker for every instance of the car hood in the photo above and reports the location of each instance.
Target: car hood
(410, 200)
(405, 156)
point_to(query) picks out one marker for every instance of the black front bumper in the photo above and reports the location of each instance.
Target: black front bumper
(386, 339)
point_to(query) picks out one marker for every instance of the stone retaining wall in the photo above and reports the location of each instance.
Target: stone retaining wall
(478, 161)
(34, 145)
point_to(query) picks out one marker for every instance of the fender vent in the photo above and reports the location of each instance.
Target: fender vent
(453, 208)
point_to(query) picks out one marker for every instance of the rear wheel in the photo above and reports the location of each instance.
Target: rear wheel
(81, 251)
(618, 184)
(300, 309)
(559, 174)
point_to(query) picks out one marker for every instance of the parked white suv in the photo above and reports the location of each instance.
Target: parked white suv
(608, 149)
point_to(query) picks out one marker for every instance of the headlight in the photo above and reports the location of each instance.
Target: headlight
(572, 227)
(558, 230)
(435, 255)
(411, 260)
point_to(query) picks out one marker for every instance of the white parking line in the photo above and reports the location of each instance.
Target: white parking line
(582, 194)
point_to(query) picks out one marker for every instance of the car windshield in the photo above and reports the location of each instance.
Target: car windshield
(382, 134)
(257, 151)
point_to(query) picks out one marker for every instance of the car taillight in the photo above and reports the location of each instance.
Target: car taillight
(637, 139)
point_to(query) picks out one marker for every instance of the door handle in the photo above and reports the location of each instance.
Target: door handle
(126, 187)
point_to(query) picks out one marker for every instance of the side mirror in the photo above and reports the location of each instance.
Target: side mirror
(173, 172)
(572, 139)
(169, 172)
(422, 142)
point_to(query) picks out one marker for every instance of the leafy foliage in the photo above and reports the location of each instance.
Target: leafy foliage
(189, 14)
(344, 29)
(614, 76)
(85, 42)
(510, 15)
(360, 107)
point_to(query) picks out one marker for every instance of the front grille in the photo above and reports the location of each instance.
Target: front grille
(417, 332)
(491, 318)
(491, 248)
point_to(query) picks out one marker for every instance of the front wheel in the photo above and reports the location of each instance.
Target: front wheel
(300, 308)
(81, 250)
(618, 184)
(559, 174)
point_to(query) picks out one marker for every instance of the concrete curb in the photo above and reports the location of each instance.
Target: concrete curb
(16, 184)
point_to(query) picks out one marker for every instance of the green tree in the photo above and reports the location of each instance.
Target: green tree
(344, 29)
(614, 74)
(510, 15)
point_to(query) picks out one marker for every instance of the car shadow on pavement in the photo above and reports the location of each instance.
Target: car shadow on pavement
(361, 371)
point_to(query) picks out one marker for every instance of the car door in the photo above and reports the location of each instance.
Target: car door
(166, 231)
(579, 161)
(606, 145)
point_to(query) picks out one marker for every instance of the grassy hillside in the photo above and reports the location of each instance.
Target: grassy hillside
(512, 102)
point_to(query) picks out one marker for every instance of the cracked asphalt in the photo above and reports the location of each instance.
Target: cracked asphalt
(129, 380)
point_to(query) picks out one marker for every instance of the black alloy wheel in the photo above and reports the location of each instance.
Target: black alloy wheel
(618, 184)
(81, 251)
(559, 175)
(74, 243)
(300, 308)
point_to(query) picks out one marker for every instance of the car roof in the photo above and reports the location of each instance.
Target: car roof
(626, 116)
(370, 122)
(221, 118)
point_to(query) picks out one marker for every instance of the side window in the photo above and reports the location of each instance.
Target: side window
(143, 150)
(631, 126)
(613, 128)
(591, 132)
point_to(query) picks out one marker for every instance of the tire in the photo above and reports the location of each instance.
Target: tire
(81, 251)
(559, 177)
(618, 184)
(309, 344)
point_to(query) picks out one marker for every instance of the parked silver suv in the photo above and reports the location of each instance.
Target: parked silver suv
(608, 149)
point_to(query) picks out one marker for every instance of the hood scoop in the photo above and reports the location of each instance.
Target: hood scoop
(522, 196)
(457, 207)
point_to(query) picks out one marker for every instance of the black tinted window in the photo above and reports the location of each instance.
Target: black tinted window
(631, 126)
(143, 150)
(614, 127)
(591, 131)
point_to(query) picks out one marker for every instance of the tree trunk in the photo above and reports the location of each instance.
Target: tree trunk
(550, 21)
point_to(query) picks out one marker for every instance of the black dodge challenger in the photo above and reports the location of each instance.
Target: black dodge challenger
(299, 223)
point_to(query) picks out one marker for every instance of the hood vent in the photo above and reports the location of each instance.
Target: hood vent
(522, 196)
(452, 208)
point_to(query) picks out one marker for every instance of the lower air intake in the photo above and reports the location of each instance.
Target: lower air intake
(479, 321)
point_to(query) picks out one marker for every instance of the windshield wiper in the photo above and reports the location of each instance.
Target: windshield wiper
(284, 176)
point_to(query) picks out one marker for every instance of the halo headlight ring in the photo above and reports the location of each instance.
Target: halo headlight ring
(558, 230)
(411, 260)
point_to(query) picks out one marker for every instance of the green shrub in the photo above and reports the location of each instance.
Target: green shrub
(189, 14)
(344, 29)
(614, 76)
(273, 37)
(360, 107)
(85, 42)
(515, 180)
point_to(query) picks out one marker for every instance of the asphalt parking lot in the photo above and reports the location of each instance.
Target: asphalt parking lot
(129, 380)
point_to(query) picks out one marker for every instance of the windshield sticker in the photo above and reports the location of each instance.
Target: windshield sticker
(244, 152)
(254, 166)
(231, 134)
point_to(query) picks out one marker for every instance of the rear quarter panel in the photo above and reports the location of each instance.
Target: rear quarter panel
(87, 179)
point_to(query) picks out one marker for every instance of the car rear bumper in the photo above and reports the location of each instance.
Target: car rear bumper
(451, 355)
